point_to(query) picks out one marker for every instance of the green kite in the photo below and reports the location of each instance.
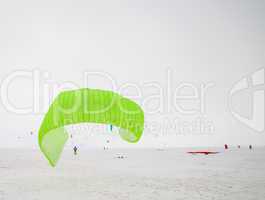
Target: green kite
(88, 105)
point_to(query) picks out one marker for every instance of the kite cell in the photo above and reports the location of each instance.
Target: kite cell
(88, 106)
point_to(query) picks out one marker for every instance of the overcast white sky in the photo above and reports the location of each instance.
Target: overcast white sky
(206, 46)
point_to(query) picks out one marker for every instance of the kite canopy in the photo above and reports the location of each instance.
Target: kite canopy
(88, 105)
(203, 152)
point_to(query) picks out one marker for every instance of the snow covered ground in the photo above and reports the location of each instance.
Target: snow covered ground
(141, 174)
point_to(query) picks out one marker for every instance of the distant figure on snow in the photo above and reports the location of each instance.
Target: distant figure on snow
(239, 146)
(120, 157)
(226, 146)
(250, 147)
(75, 150)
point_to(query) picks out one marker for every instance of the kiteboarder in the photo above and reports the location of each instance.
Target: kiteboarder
(75, 150)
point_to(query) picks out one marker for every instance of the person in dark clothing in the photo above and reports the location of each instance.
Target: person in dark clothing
(75, 150)
(250, 147)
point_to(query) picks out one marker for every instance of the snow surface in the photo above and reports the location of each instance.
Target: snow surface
(142, 174)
